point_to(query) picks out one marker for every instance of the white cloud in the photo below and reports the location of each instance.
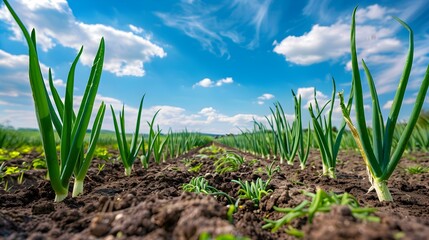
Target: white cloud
(307, 95)
(376, 41)
(320, 44)
(264, 97)
(207, 82)
(57, 83)
(330, 43)
(388, 104)
(324, 43)
(222, 81)
(373, 12)
(55, 24)
(207, 120)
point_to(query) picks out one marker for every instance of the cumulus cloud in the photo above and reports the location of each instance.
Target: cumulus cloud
(376, 40)
(207, 82)
(264, 97)
(373, 12)
(307, 95)
(222, 81)
(331, 42)
(208, 119)
(56, 24)
(311, 48)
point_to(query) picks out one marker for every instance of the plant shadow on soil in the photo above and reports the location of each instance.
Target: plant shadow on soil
(151, 204)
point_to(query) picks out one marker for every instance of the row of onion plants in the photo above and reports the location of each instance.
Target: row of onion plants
(280, 140)
(381, 146)
(58, 120)
(154, 146)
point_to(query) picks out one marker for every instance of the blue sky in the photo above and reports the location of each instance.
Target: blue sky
(210, 66)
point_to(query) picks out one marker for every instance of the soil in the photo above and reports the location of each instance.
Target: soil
(150, 204)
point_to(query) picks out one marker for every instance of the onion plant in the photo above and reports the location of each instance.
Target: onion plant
(254, 190)
(201, 185)
(421, 136)
(286, 137)
(71, 128)
(228, 162)
(329, 143)
(147, 152)
(155, 145)
(255, 141)
(348, 142)
(128, 153)
(419, 140)
(379, 155)
(181, 142)
(302, 153)
(270, 170)
(158, 143)
(237, 141)
(289, 138)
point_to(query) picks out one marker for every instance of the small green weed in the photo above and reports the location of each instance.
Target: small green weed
(320, 202)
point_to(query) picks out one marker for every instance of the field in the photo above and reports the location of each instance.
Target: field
(152, 203)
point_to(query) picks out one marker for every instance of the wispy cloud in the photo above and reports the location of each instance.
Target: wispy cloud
(135, 29)
(56, 24)
(319, 8)
(201, 21)
(207, 82)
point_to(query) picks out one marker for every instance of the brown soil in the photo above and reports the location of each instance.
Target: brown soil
(151, 205)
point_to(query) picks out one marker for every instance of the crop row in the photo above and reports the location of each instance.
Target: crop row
(381, 146)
